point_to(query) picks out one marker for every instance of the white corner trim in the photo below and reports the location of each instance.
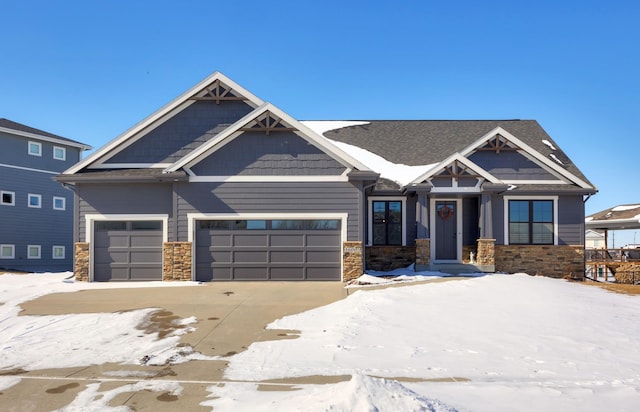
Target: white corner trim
(370, 201)
(524, 197)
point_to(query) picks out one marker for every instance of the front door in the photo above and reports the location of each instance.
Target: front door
(446, 228)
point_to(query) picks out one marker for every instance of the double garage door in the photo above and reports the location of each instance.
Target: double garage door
(268, 250)
(224, 250)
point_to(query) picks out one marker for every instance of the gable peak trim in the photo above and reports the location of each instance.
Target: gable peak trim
(455, 166)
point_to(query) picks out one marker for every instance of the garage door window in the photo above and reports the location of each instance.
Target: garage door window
(288, 224)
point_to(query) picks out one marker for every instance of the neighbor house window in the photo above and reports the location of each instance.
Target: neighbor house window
(33, 252)
(59, 153)
(386, 222)
(7, 251)
(35, 149)
(59, 203)
(34, 200)
(531, 222)
(58, 252)
(7, 198)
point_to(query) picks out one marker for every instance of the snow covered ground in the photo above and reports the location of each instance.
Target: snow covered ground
(499, 343)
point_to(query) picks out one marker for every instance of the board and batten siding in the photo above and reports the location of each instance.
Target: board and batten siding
(125, 199)
(269, 197)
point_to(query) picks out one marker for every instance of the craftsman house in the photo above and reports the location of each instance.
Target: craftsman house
(36, 213)
(220, 185)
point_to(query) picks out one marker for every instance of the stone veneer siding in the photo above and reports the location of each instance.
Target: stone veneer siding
(176, 261)
(351, 260)
(389, 257)
(423, 252)
(486, 252)
(81, 261)
(548, 260)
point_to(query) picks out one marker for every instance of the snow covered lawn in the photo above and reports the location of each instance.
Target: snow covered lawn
(499, 343)
(522, 342)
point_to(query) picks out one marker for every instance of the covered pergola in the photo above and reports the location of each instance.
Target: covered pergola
(621, 262)
(622, 217)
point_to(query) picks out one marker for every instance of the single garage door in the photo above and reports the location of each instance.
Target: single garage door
(268, 250)
(127, 250)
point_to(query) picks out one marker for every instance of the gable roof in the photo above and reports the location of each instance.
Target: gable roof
(9, 126)
(240, 126)
(201, 90)
(420, 142)
(457, 158)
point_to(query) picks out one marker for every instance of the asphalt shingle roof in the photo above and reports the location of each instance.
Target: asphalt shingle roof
(421, 142)
(9, 124)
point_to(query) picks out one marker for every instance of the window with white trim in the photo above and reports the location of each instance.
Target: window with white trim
(7, 251)
(531, 222)
(35, 149)
(33, 251)
(59, 203)
(34, 200)
(57, 252)
(7, 198)
(59, 153)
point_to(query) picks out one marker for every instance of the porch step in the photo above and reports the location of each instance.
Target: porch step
(457, 268)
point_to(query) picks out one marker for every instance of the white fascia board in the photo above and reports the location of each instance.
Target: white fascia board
(165, 112)
(233, 131)
(28, 135)
(460, 158)
(131, 166)
(529, 150)
(263, 179)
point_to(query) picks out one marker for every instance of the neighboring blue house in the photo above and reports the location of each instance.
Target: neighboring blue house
(36, 212)
(220, 185)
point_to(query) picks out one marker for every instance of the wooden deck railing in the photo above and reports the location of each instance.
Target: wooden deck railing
(603, 262)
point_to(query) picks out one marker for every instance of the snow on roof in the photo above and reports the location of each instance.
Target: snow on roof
(622, 208)
(399, 173)
(322, 126)
(548, 143)
(554, 157)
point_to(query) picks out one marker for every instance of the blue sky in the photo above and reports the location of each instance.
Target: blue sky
(88, 70)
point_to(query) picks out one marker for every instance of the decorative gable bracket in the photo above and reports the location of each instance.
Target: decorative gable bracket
(267, 123)
(498, 143)
(218, 92)
(457, 170)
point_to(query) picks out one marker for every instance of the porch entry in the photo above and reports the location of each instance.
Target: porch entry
(446, 228)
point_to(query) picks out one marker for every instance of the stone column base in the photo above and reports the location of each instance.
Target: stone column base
(176, 263)
(423, 254)
(81, 261)
(352, 258)
(486, 252)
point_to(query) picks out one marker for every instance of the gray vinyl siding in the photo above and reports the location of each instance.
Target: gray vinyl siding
(269, 197)
(570, 220)
(510, 166)
(21, 225)
(14, 152)
(182, 133)
(124, 199)
(276, 154)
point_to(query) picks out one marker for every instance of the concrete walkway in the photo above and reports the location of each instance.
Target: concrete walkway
(230, 317)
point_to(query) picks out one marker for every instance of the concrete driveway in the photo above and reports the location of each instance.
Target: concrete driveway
(230, 317)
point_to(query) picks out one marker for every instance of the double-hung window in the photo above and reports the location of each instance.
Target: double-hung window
(531, 222)
(386, 222)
